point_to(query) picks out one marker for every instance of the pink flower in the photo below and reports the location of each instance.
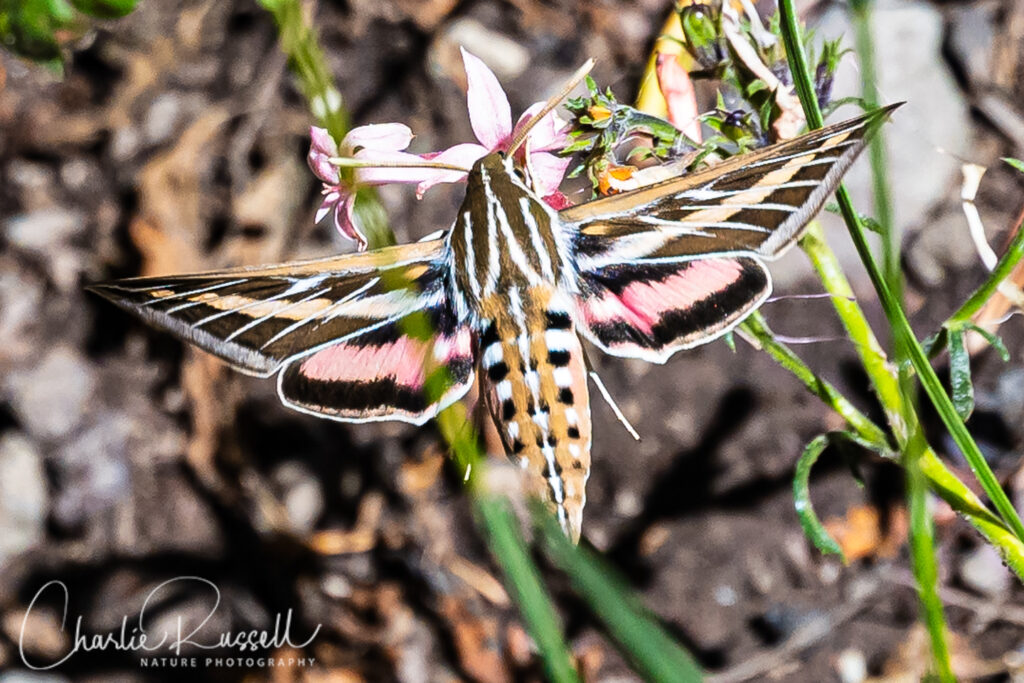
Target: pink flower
(491, 118)
(678, 90)
(379, 142)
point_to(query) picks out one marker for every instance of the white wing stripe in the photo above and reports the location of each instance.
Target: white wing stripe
(229, 311)
(193, 292)
(685, 225)
(257, 321)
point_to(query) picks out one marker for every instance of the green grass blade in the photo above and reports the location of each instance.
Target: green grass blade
(522, 577)
(1016, 163)
(642, 640)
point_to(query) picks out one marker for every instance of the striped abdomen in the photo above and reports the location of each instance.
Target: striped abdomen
(533, 367)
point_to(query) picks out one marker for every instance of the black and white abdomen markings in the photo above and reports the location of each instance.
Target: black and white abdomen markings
(533, 363)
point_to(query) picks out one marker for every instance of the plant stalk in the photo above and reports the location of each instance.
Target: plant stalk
(893, 311)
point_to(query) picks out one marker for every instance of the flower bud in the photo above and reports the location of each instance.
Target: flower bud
(703, 41)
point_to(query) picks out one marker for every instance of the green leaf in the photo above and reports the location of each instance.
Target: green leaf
(29, 27)
(1016, 163)
(756, 86)
(578, 145)
(105, 9)
(870, 223)
(802, 498)
(766, 109)
(960, 374)
(654, 654)
(730, 340)
(866, 221)
(994, 341)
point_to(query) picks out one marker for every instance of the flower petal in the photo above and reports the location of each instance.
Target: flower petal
(465, 154)
(321, 149)
(346, 223)
(489, 110)
(331, 199)
(547, 171)
(391, 137)
(321, 141)
(678, 90)
(549, 135)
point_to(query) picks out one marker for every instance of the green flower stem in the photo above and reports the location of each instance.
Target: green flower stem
(1004, 267)
(922, 554)
(901, 330)
(305, 56)
(881, 372)
(922, 545)
(948, 487)
(941, 480)
(876, 149)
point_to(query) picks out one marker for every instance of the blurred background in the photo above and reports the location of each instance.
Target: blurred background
(176, 141)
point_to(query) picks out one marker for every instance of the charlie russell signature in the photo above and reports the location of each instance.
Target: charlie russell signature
(172, 640)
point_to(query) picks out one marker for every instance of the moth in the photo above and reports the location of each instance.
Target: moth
(511, 291)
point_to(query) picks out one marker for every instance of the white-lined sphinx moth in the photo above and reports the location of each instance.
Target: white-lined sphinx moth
(510, 290)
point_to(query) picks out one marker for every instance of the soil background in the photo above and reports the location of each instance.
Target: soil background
(176, 142)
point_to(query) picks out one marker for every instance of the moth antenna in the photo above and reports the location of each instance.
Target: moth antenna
(351, 162)
(806, 340)
(553, 102)
(611, 404)
(820, 295)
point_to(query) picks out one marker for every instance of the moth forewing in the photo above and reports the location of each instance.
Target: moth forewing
(755, 204)
(334, 324)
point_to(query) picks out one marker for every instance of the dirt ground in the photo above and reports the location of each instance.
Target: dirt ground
(177, 142)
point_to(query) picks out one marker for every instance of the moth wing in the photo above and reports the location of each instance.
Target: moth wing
(260, 319)
(386, 373)
(756, 204)
(678, 263)
(651, 310)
